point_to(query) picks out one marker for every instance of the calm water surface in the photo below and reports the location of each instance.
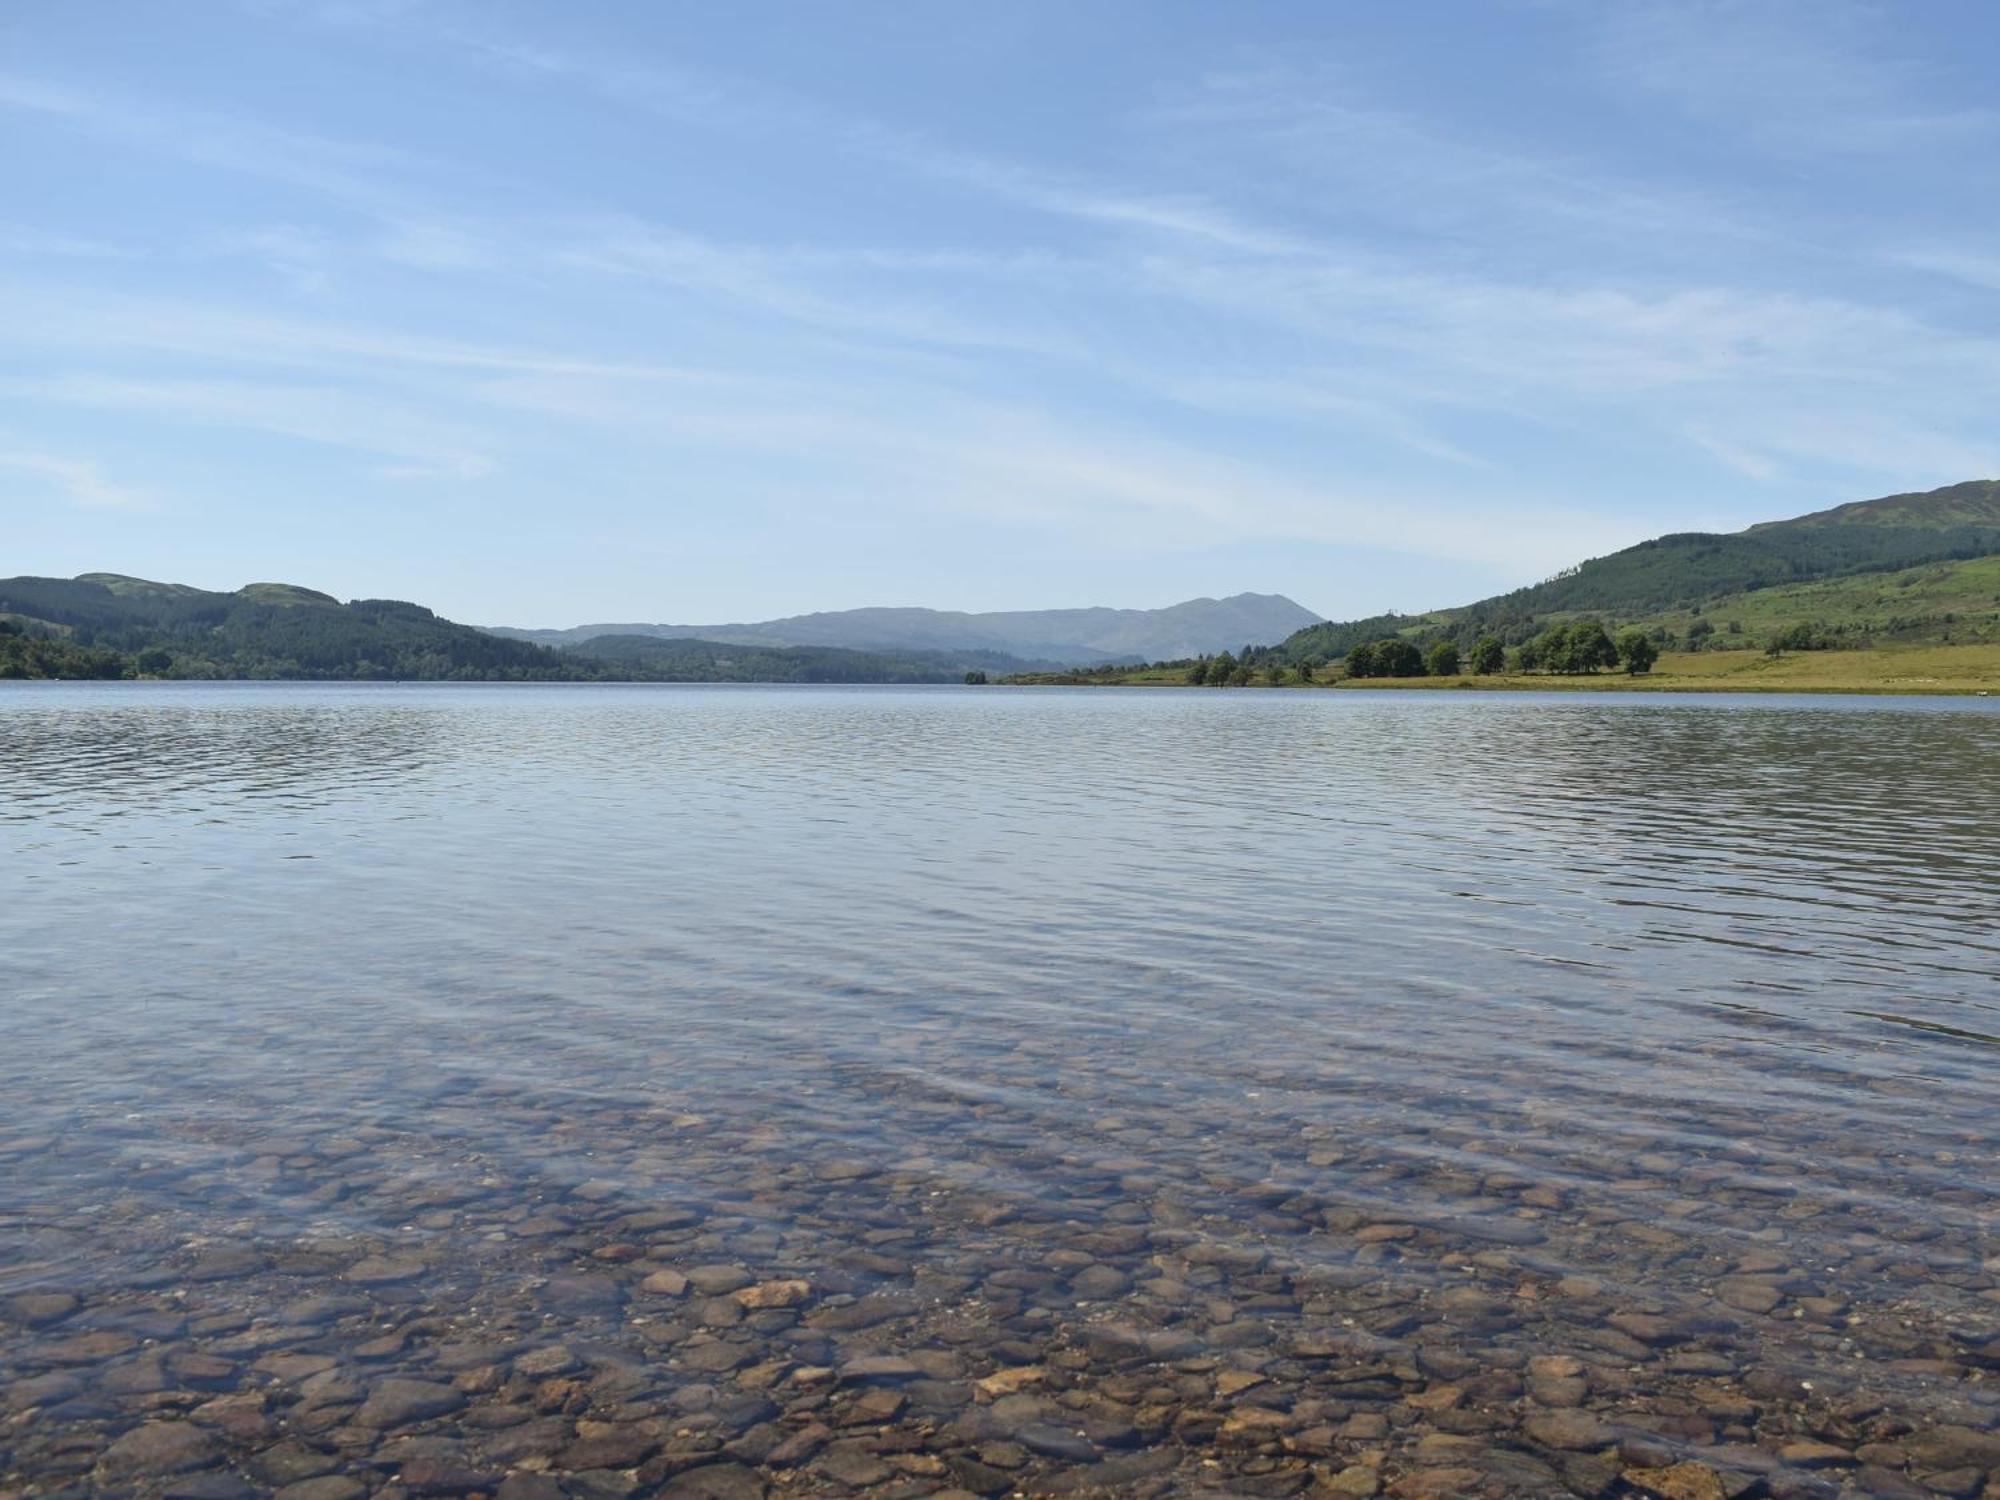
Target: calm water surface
(1160, 1092)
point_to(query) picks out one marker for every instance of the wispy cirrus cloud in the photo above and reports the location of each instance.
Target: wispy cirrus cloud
(1970, 267)
(1273, 299)
(77, 481)
(739, 104)
(1376, 167)
(1817, 75)
(31, 244)
(53, 317)
(420, 444)
(916, 447)
(1438, 337)
(339, 169)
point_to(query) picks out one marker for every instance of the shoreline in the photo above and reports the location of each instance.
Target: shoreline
(1480, 685)
(1893, 671)
(1558, 685)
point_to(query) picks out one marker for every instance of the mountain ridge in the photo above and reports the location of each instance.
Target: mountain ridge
(1974, 502)
(1088, 635)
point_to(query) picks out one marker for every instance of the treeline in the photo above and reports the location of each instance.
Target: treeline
(30, 654)
(1423, 646)
(1581, 646)
(1267, 667)
(686, 659)
(1332, 642)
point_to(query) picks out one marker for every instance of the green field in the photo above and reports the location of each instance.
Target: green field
(1959, 600)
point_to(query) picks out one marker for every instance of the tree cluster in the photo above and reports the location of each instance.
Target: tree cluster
(1392, 657)
(1397, 656)
(1488, 656)
(1223, 670)
(1800, 637)
(1580, 646)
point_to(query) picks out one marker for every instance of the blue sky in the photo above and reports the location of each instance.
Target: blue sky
(544, 314)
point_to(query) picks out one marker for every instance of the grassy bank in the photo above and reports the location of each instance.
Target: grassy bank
(1888, 669)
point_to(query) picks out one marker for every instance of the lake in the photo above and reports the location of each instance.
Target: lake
(603, 1091)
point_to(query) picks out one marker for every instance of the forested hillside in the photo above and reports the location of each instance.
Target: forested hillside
(1692, 580)
(104, 625)
(263, 631)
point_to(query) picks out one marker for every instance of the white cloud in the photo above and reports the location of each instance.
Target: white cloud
(33, 244)
(1901, 450)
(57, 318)
(1973, 268)
(304, 259)
(739, 105)
(340, 170)
(1370, 166)
(78, 481)
(328, 416)
(433, 247)
(789, 285)
(917, 448)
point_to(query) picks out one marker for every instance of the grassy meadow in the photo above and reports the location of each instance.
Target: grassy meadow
(1960, 597)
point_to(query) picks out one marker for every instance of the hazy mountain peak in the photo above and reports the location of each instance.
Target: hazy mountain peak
(1093, 633)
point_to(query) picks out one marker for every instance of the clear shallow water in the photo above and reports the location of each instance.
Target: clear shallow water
(1388, 1052)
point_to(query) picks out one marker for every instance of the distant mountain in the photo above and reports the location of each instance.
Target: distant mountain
(1681, 574)
(1066, 637)
(107, 625)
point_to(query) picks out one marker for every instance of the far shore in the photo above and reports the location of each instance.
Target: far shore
(1890, 670)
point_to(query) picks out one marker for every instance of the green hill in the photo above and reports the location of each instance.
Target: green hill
(1900, 568)
(105, 624)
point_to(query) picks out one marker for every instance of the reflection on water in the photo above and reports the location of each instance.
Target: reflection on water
(620, 1091)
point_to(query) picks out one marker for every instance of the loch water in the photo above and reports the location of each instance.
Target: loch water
(601, 1091)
